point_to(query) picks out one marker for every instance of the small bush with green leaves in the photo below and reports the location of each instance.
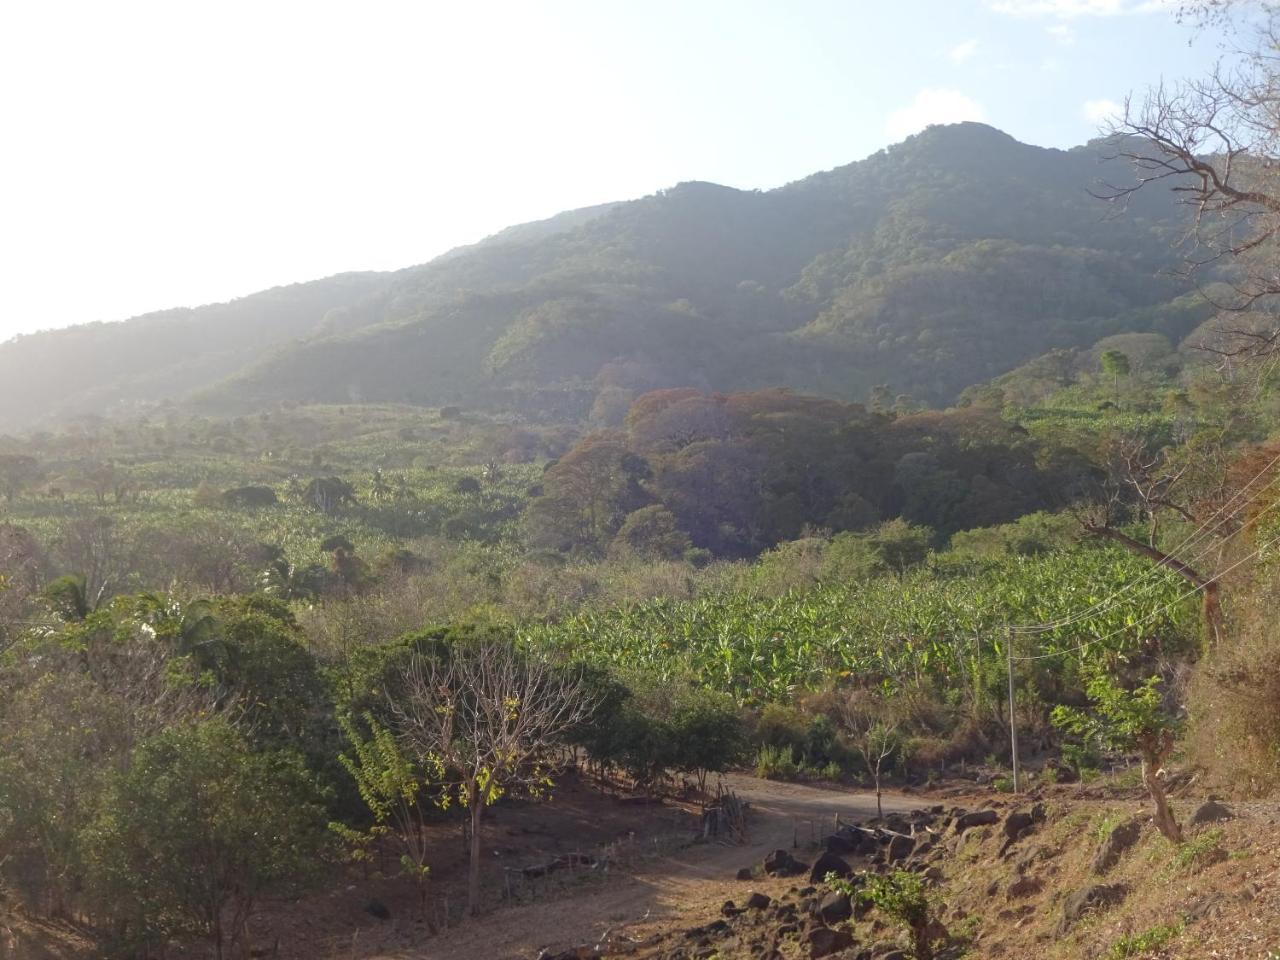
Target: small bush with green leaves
(1141, 944)
(903, 897)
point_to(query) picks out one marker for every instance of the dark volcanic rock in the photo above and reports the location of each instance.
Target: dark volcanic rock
(758, 901)
(823, 941)
(834, 908)
(829, 863)
(1121, 838)
(1211, 811)
(1088, 900)
(900, 848)
(780, 863)
(978, 818)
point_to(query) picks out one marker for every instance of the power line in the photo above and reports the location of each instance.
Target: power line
(1151, 616)
(1107, 603)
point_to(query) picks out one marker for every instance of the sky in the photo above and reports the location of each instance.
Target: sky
(168, 154)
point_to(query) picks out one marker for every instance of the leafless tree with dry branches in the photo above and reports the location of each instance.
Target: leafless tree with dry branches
(1215, 142)
(490, 714)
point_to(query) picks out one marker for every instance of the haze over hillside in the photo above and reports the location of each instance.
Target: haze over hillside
(936, 264)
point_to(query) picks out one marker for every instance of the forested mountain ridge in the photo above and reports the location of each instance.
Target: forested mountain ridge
(941, 262)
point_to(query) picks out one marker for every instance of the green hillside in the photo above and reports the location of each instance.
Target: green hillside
(946, 260)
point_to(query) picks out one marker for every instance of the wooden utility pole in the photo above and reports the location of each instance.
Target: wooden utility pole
(1013, 720)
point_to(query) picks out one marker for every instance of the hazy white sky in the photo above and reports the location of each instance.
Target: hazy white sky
(181, 152)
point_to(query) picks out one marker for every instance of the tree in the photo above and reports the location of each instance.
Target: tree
(1216, 141)
(488, 713)
(650, 533)
(707, 733)
(196, 829)
(1115, 365)
(17, 473)
(1138, 719)
(394, 789)
(876, 744)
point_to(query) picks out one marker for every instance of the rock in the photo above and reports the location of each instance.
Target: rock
(729, 909)
(978, 818)
(823, 941)
(1018, 823)
(840, 845)
(377, 908)
(861, 842)
(1211, 811)
(1121, 838)
(746, 873)
(1096, 897)
(1024, 887)
(758, 901)
(829, 863)
(834, 908)
(900, 848)
(780, 863)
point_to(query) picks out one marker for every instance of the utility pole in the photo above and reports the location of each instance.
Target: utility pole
(1013, 720)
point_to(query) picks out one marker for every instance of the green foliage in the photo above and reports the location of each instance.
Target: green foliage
(775, 763)
(1120, 719)
(903, 897)
(1199, 850)
(195, 830)
(1144, 943)
(916, 629)
(394, 788)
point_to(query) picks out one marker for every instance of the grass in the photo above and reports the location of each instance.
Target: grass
(1197, 850)
(1106, 825)
(1138, 944)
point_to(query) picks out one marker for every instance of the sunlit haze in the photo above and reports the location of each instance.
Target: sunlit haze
(172, 154)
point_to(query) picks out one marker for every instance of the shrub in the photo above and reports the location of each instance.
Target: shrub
(903, 897)
(195, 830)
(775, 763)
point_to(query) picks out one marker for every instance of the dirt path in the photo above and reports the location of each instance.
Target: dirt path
(660, 892)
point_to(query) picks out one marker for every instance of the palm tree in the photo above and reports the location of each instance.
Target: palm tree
(68, 597)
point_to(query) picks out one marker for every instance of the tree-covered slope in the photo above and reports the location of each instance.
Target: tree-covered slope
(941, 262)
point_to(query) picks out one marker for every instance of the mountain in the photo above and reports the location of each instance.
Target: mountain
(943, 261)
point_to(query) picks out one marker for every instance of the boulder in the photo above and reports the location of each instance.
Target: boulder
(1211, 811)
(375, 907)
(823, 941)
(1121, 838)
(729, 909)
(840, 844)
(1020, 822)
(1094, 898)
(900, 847)
(1024, 887)
(780, 863)
(978, 818)
(758, 901)
(829, 863)
(834, 908)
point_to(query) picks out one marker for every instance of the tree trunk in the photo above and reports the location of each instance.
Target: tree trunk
(1164, 819)
(1211, 607)
(473, 879)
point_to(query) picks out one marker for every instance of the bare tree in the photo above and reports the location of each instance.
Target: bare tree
(1215, 142)
(875, 745)
(487, 713)
(1190, 483)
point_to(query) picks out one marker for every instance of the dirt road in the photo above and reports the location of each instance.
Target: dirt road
(662, 891)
